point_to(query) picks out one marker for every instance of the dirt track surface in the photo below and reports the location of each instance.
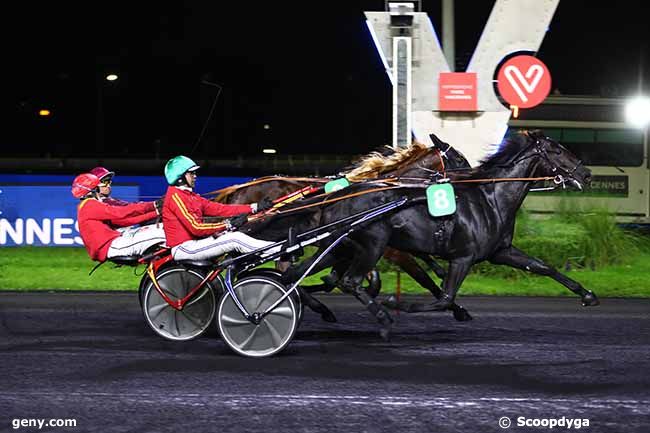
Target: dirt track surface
(92, 357)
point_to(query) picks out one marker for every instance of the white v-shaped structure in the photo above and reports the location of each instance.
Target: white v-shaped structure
(513, 26)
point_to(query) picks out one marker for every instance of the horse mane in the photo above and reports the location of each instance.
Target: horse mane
(506, 150)
(377, 163)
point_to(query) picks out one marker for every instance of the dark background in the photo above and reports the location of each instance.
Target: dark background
(307, 69)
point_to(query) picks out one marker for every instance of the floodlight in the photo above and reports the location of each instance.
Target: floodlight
(637, 111)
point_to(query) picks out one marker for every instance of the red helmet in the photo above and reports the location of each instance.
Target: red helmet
(83, 184)
(101, 172)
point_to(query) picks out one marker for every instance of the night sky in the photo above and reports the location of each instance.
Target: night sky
(309, 70)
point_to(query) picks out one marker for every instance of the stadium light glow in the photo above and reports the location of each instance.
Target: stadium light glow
(44, 112)
(111, 77)
(269, 151)
(637, 111)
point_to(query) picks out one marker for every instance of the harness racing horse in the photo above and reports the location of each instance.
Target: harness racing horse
(416, 160)
(482, 227)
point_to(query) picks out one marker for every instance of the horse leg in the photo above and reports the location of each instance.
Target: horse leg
(282, 266)
(331, 281)
(435, 267)
(314, 304)
(351, 283)
(411, 267)
(339, 263)
(516, 258)
(456, 273)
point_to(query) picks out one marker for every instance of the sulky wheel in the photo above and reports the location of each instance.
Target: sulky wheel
(195, 316)
(276, 275)
(273, 332)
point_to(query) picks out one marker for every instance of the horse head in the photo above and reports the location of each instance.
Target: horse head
(452, 158)
(558, 161)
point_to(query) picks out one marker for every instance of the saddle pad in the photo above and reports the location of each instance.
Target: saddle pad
(335, 185)
(441, 199)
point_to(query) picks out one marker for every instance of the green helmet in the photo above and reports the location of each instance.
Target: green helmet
(176, 168)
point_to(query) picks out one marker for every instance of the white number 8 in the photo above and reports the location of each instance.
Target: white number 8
(440, 200)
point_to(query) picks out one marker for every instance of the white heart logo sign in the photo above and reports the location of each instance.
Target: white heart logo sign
(515, 78)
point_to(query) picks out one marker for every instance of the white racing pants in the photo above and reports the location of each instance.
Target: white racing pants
(208, 248)
(135, 241)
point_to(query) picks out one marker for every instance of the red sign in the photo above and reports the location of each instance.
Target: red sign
(524, 81)
(457, 91)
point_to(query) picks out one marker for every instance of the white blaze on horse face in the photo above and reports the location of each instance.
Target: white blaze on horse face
(515, 77)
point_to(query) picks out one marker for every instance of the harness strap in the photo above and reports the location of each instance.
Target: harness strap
(95, 268)
(504, 179)
(264, 180)
(333, 200)
(442, 162)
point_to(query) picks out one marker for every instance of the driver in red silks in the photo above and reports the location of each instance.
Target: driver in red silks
(98, 222)
(105, 180)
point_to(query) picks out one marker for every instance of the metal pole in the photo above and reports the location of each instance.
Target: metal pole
(448, 32)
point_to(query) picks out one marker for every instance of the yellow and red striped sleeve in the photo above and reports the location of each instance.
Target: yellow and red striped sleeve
(211, 208)
(189, 221)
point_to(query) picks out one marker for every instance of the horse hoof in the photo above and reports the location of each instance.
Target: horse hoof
(590, 300)
(390, 302)
(462, 315)
(374, 283)
(439, 306)
(328, 316)
(330, 281)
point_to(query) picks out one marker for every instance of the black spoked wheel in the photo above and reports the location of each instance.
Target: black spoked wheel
(196, 315)
(274, 331)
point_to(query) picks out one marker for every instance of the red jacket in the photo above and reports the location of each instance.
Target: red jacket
(97, 219)
(114, 201)
(183, 214)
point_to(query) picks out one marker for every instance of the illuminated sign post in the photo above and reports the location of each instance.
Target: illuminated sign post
(513, 27)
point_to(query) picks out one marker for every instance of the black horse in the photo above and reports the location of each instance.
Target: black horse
(412, 164)
(481, 228)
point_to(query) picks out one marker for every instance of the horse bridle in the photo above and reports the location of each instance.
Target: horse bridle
(560, 178)
(564, 174)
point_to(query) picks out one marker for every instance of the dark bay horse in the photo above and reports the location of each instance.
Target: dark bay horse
(416, 160)
(481, 228)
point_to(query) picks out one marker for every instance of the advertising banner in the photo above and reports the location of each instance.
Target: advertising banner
(43, 215)
(457, 91)
(524, 81)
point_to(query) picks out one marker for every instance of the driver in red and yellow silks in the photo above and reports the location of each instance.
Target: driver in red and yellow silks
(98, 222)
(190, 237)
